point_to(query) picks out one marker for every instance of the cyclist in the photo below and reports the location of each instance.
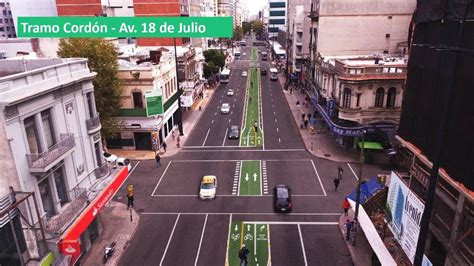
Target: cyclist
(243, 254)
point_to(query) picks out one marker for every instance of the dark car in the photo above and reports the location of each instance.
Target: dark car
(234, 132)
(282, 198)
(263, 72)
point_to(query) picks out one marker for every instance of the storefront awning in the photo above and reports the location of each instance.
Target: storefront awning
(69, 242)
(371, 145)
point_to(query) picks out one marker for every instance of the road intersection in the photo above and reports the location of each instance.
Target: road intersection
(177, 228)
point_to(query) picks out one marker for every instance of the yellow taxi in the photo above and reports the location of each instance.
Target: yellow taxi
(207, 189)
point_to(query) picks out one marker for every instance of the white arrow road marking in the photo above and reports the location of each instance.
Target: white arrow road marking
(254, 177)
(262, 227)
(246, 177)
(248, 227)
(236, 228)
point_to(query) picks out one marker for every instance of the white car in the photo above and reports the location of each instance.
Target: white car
(244, 53)
(225, 108)
(109, 157)
(230, 92)
(207, 189)
(124, 162)
(244, 73)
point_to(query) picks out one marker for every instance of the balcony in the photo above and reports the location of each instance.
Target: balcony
(101, 171)
(299, 28)
(59, 222)
(313, 15)
(42, 162)
(299, 42)
(93, 124)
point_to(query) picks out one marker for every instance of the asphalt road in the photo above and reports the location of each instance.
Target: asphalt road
(177, 228)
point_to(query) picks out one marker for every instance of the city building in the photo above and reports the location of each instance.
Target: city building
(190, 64)
(7, 20)
(54, 153)
(118, 8)
(299, 26)
(224, 8)
(277, 19)
(153, 74)
(237, 13)
(438, 87)
(42, 47)
(360, 93)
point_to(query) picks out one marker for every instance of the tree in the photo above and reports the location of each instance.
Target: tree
(215, 56)
(257, 26)
(246, 27)
(238, 33)
(209, 69)
(102, 56)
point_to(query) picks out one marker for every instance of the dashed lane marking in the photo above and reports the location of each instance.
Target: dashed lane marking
(204, 142)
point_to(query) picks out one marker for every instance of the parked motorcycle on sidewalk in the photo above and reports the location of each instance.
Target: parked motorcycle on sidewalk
(109, 251)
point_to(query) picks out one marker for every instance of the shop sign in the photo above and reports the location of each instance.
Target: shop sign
(69, 242)
(338, 130)
(154, 103)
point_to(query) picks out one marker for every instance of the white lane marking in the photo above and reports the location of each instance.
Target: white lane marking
(212, 122)
(134, 168)
(302, 245)
(261, 183)
(215, 113)
(352, 170)
(278, 129)
(231, 112)
(264, 176)
(204, 142)
(159, 181)
(225, 136)
(234, 189)
(319, 178)
(291, 223)
(279, 140)
(229, 120)
(228, 241)
(240, 171)
(276, 120)
(245, 213)
(169, 240)
(255, 242)
(274, 112)
(200, 241)
(233, 160)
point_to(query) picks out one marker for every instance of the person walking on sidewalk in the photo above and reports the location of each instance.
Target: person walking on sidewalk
(345, 206)
(336, 183)
(164, 146)
(339, 172)
(130, 196)
(348, 226)
(177, 141)
(158, 160)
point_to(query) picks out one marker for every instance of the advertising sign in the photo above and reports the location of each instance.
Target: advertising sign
(69, 242)
(154, 103)
(404, 211)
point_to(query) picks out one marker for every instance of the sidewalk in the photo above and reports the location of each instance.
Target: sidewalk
(320, 144)
(361, 252)
(115, 220)
(190, 119)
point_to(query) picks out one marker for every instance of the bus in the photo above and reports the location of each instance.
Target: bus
(264, 56)
(273, 73)
(224, 76)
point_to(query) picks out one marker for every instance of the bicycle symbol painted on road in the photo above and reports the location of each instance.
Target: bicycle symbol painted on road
(248, 237)
(235, 237)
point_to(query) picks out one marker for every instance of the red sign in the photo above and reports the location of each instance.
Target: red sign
(69, 242)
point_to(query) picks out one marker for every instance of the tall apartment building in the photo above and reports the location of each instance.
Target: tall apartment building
(276, 18)
(55, 162)
(7, 21)
(435, 75)
(224, 8)
(299, 26)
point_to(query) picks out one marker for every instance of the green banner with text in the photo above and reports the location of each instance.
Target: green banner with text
(99, 27)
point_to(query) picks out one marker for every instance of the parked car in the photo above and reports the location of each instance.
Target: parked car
(124, 162)
(230, 92)
(207, 189)
(263, 72)
(234, 132)
(225, 108)
(244, 73)
(282, 198)
(109, 157)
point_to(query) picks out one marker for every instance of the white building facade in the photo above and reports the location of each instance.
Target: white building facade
(277, 10)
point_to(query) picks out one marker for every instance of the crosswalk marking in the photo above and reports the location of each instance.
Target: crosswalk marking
(264, 177)
(235, 188)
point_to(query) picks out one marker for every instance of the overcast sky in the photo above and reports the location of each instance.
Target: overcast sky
(254, 5)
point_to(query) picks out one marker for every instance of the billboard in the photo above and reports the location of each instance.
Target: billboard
(403, 212)
(154, 103)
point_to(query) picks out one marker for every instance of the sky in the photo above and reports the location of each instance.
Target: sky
(254, 5)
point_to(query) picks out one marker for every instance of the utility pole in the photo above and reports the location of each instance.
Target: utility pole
(179, 116)
(359, 183)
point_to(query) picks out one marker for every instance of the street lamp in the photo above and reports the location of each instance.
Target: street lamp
(359, 183)
(179, 116)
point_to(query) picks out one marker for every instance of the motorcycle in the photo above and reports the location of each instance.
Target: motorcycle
(109, 251)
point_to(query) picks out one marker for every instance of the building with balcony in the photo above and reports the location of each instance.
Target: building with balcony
(353, 94)
(155, 74)
(276, 18)
(53, 149)
(299, 25)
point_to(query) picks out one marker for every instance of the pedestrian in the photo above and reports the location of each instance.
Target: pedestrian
(172, 133)
(339, 172)
(354, 231)
(243, 254)
(158, 160)
(297, 103)
(305, 123)
(177, 141)
(164, 146)
(336, 183)
(130, 196)
(345, 206)
(348, 226)
(309, 116)
(303, 116)
(291, 90)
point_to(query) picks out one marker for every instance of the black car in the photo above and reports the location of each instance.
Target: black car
(263, 72)
(282, 198)
(234, 132)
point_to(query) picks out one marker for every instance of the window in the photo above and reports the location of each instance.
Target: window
(32, 135)
(277, 4)
(1, 20)
(2, 28)
(48, 128)
(90, 104)
(346, 99)
(387, 35)
(358, 99)
(276, 21)
(273, 29)
(392, 92)
(46, 199)
(137, 99)
(379, 95)
(277, 13)
(60, 186)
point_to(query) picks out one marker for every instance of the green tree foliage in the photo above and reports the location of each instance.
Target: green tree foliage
(257, 26)
(209, 69)
(246, 27)
(238, 34)
(102, 56)
(215, 56)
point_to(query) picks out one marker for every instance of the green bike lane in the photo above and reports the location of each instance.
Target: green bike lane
(252, 133)
(256, 238)
(250, 178)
